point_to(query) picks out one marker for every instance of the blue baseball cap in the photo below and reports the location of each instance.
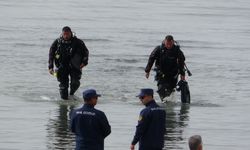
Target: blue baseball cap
(90, 93)
(146, 91)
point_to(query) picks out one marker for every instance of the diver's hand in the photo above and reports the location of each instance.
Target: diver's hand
(147, 75)
(132, 147)
(51, 71)
(82, 65)
(182, 77)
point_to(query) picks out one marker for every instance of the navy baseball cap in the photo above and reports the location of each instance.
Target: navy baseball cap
(90, 93)
(146, 91)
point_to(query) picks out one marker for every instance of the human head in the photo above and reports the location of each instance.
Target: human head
(169, 41)
(195, 142)
(146, 95)
(66, 33)
(90, 96)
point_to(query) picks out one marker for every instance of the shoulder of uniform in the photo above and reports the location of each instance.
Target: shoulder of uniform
(74, 112)
(78, 109)
(145, 111)
(99, 111)
(157, 107)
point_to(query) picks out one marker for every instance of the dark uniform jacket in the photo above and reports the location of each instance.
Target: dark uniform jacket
(169, 61)
(151, 127)
(91, 127)
(70, 53)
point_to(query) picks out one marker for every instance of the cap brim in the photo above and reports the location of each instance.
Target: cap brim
(97, 95)
(140, 95)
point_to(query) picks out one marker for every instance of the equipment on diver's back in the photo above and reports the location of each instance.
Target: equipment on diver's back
(183, 87)
(188, 71)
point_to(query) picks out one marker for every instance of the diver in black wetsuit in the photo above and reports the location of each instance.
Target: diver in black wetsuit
(169, 62)
(70, 55)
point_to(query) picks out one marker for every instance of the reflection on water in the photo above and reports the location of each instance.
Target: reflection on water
(176, 121)
(59, 134)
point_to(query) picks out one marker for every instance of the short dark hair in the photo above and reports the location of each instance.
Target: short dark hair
(194, 142)
(66, 29)
(169, 38)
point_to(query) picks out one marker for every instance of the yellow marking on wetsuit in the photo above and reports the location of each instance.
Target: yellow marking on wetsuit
(57, 56)
(140, 118)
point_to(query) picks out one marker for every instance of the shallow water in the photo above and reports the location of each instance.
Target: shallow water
(120, 35)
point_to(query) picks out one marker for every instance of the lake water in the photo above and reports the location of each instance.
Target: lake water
(214, 35)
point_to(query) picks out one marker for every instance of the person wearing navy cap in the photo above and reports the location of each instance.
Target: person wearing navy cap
(150, 129)
(90, 125)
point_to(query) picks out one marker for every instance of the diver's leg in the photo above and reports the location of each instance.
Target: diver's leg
(75, 76)
(63, 78)
(163, 87)
(160, 91)
(166, 87)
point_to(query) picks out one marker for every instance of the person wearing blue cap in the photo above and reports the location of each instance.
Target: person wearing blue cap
(150, 129)
(90, 125)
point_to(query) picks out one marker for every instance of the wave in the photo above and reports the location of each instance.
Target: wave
(25, 45)
(122, 60)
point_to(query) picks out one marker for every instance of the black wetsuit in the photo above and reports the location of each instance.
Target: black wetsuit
(169, 63)
(67, 57)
